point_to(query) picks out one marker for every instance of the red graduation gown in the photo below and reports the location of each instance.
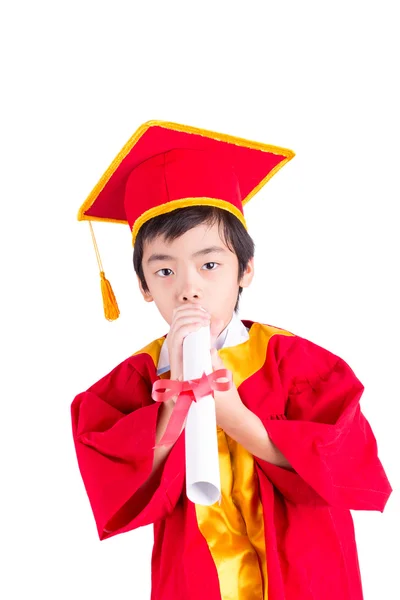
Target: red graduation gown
(278, 534)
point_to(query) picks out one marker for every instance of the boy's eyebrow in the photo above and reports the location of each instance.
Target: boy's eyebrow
(155, 257)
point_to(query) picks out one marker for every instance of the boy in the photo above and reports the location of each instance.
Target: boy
(296, 453)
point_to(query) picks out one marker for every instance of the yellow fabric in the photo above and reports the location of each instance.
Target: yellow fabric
(234, 529)
(153, 349)
(184, 203)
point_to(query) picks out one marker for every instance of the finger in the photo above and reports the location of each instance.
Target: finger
(191, 312)
(189, 306)
(183, 331)
(187, 320)
(195, 315)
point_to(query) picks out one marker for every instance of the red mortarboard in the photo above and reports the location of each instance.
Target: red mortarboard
(165, 166)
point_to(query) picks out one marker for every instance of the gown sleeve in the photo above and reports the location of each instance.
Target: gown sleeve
(323, 433)
(114, 430)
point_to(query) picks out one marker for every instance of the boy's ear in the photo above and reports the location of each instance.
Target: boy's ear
(146, 295)
(248, 275)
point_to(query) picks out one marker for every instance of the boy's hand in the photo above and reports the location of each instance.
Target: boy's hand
(185, 320)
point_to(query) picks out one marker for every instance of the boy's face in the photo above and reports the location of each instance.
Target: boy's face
(196, 267)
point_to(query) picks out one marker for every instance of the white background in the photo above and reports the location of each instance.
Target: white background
(78, 78)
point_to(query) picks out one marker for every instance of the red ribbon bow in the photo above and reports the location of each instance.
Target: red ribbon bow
(187, 391)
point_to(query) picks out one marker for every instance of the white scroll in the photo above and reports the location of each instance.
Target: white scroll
(203, 484)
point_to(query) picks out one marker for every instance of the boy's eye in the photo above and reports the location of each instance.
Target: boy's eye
(166, 272)
(161, 271)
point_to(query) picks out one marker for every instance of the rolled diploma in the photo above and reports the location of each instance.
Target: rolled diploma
(203, 484)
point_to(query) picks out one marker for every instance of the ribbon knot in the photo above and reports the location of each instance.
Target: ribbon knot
(187, 391)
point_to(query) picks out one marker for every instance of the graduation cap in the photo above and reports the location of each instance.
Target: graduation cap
(165, 166)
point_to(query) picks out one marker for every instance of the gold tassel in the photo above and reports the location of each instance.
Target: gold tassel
(111, 310)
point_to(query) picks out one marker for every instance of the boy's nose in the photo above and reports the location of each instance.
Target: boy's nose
(190, 297)
(190, 293)
(189, 287)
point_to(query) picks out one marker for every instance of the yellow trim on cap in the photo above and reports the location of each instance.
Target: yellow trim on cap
(107, 175)
(82, 217)
(222, 137)
(267, 178)
(184, 203)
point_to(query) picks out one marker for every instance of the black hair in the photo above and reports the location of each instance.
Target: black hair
(173, 224)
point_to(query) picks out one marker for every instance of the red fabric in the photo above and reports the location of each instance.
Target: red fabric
(308, 400)
(180, 173)
(167, 165)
